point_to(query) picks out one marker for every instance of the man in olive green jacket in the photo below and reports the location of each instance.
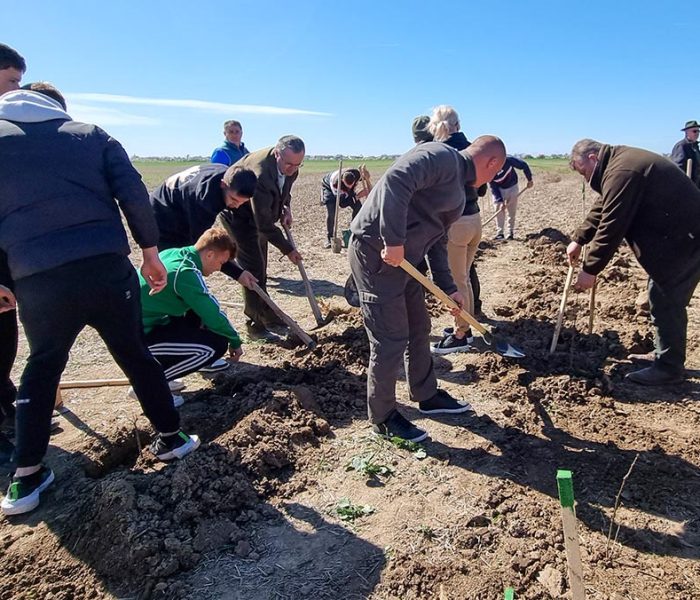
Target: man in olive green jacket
(646, 200)
(254, 225)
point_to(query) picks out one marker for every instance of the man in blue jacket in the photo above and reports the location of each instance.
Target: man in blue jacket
(68, 256)
(233, 149)
(504, 187)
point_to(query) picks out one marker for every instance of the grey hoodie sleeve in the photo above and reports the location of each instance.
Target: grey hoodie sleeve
(128, 189)
(398, 187)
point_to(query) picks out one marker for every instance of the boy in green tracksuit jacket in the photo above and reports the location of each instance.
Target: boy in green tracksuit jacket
(184, 326)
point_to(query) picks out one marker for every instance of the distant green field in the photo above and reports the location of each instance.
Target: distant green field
(155, 171)
(323, 166)
(549, 164)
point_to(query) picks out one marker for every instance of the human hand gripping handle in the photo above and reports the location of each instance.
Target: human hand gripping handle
(294, 257)
(7, 299)
(286, 217)
(584, 281)
(235, 353)
(459, 300)
(153, 270)
(247, 279)
(393, 255)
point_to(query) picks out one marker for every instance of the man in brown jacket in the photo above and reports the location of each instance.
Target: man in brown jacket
(646, 200)
(254, 224)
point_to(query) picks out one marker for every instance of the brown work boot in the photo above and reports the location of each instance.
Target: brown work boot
(655, 375)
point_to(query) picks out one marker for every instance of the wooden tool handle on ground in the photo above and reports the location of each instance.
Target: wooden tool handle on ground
(91, 383)
(562, 306)
(442, 296)
(307, 284)
(288, 321)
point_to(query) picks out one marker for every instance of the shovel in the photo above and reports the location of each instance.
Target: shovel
(307, 284)
(562, 308)
(503, 348)
(288, 321)
(336, 243)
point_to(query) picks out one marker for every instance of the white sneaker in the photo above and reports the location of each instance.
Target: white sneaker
(217, 365)
(178, 400)
(176, 385)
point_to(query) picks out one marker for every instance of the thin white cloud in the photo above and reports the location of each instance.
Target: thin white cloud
(106, 117)
(216, 107)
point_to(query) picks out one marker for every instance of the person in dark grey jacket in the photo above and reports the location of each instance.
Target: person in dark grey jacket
(686, 152)
(408, 210)
(68, 256)
(649, 202)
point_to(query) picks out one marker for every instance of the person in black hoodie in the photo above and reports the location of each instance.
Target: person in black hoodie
(439, 271)
(67, 249)
(12, 67)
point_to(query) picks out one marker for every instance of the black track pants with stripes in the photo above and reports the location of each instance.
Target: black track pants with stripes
(183, 346)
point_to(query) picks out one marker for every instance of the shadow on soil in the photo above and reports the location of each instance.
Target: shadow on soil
(295, 287)
(661, 485)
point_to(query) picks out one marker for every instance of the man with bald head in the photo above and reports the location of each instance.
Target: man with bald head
(410, 208)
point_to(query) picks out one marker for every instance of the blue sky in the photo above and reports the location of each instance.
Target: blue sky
(349, 77)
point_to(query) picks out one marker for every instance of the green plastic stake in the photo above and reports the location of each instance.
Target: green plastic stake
(565, 483)
(510, 594)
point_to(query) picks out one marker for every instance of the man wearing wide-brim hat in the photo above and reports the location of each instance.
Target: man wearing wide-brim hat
(687, 150)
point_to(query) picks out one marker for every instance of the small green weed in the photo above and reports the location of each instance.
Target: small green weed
(347, 511)
(416, 449)
(367, 466)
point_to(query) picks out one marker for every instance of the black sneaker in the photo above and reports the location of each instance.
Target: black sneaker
(510, 236)
(451, 343)
(450, 330)
(23, 494)
(443, 403)
(655, 375)
(499, 236)
(396, 425)
(175, 445)
(258, 331)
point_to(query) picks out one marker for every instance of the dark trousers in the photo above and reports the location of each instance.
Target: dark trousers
(8, 347)
(398, 328)
(54, 307)
(476, 288)
(668, 308)
(183, 346)
(252, 256)
(330, 220)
